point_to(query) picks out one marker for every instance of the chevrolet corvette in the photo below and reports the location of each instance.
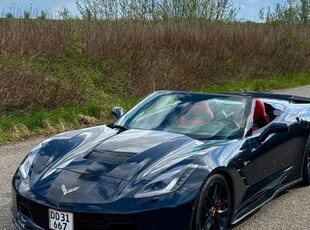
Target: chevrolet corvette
(177, 160)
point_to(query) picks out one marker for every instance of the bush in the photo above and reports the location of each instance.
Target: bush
(51, 63)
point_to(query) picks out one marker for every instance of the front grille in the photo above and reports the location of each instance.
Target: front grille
(102, 221)
(82, 221)
(34, 211)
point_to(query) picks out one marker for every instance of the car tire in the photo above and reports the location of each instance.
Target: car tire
(306, 166)
(213, 205)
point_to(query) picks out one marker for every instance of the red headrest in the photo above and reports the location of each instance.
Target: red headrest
(260, 111)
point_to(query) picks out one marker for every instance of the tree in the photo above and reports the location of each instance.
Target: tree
(27, 14)
(212, 10)
(43, 15)
(64, 13)
(9, 15)
(293, 11)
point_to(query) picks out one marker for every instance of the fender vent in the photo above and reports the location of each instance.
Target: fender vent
(105, 156)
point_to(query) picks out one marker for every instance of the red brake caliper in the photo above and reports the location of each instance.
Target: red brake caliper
(218, 209)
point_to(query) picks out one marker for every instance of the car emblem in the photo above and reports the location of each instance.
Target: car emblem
(66, 191)
(246, 163)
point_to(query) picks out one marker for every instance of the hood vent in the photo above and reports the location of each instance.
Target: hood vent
(106, 156)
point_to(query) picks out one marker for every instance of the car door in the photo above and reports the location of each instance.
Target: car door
(275, 160)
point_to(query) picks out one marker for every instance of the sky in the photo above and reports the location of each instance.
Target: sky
(248, 8)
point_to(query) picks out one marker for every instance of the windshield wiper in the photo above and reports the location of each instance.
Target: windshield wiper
(120, 127)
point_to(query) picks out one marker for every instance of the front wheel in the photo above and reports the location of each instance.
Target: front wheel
(213, 208)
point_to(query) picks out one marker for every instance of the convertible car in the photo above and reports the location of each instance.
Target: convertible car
(176, 160)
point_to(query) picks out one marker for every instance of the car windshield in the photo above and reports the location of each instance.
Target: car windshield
(201, 116)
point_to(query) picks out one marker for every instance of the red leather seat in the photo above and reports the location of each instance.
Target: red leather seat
(198, 114)
(260, 117)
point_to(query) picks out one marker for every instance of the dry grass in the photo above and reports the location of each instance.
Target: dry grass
(55, 127)
(87, 120)
(49, 63)
(20, 130)
(24, 89)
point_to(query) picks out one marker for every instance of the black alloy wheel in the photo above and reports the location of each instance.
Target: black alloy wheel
(213, 209)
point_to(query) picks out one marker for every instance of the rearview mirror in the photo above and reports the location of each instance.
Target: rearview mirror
(117, 112)
(276, 127)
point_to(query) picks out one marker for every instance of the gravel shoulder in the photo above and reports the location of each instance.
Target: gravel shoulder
(10, 158)
(303, 91)
(290, 210)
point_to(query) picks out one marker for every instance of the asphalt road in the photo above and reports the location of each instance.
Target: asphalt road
(290, 210)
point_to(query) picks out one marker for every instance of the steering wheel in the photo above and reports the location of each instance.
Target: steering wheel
(230, 123)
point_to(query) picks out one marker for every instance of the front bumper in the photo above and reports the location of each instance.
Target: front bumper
(31, 215)
(23, 223)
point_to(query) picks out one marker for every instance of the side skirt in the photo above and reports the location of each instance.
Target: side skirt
(266, 201)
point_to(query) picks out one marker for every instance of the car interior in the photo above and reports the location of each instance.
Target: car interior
(198, 114)
(201, 113)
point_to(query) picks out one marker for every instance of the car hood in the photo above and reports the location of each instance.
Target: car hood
(103, 151)
(101, 165)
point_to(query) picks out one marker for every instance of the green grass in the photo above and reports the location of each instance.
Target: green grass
(28, 124)
(43, 122)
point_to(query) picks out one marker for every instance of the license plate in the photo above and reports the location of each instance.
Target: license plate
(59, 220)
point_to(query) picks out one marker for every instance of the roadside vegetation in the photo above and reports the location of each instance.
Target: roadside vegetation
(56, 75)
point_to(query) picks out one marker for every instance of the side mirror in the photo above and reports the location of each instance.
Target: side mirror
(273, 128)
(117, 112)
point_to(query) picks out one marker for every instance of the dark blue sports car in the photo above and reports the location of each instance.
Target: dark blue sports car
(177, 160)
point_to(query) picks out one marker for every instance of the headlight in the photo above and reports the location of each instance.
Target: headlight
(168, 182)
(26, 164)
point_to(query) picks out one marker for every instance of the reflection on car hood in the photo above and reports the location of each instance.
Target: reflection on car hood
(124, 155)
(101, 161)
(103, 151)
